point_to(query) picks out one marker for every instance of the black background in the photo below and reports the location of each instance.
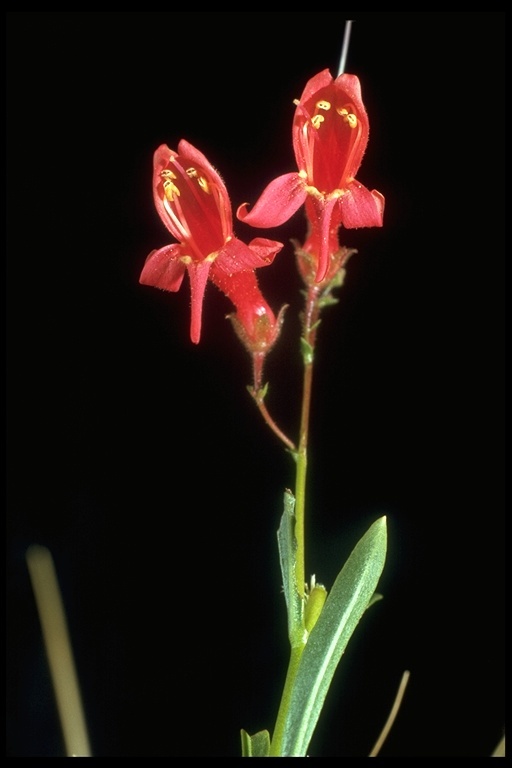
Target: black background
(140, 460)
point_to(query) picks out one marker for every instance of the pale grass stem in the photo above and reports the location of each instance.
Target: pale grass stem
(392, 715)
(58, 650)
(499, 750)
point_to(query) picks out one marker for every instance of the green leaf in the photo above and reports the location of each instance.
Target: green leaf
(307, 351)
(288, 559)
(255, 746)
(347, 601)
(328, 301)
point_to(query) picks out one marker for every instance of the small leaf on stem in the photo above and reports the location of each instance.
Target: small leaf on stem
(255, 746)
(288, 559)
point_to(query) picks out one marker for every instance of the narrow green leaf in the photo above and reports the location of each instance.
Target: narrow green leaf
(287, 557)
(348, 599)
(328, 301)
(255, 746)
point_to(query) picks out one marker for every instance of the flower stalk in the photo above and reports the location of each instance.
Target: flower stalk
(316, 297)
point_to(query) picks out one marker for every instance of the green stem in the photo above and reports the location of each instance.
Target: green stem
(310, 324)
(277, 737)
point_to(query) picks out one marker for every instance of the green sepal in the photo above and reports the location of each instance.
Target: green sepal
(352, 592)
(255, 746)
(258, 394)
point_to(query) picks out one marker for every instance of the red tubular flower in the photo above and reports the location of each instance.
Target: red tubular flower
(330, 135)
(194, 205)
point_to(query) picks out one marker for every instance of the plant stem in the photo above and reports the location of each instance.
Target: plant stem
(392, 715)
(57, 642)
(258, 399)
(277, 736)
(310, 319)
(310, 325)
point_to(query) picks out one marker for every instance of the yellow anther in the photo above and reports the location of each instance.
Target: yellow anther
(323, 105)
(191, 173)
(203, 183)
(170, 190)
(167, 174)
(348, 117)
(317, 121)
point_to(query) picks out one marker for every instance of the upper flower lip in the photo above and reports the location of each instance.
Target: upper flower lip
(330, 131)
(330, 135)
(191, 199)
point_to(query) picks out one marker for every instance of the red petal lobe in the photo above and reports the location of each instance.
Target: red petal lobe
(277, 203)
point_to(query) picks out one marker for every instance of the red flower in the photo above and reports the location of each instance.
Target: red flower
(194, 205)
(330, 134)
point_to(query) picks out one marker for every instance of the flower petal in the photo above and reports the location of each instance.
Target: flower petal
(163, 268)
(361, 208)
(193, 156)
(277, 203)
(236, 256)
(198, 275)
(161, 159)
(322, 242)
(314, 84)
(265, 250)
